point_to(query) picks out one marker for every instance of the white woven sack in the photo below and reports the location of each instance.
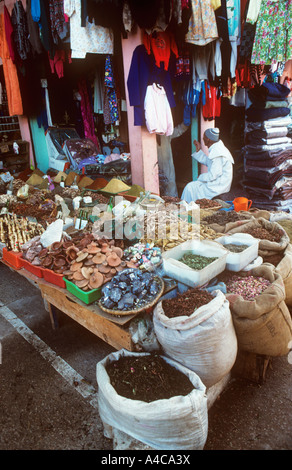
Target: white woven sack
(177, 423)
(204, 342)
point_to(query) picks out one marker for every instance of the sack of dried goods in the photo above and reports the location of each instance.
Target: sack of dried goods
(283, 266)
(260, 315)
(196, 329)
(153, 399)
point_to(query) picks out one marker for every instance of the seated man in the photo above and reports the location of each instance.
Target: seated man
(218, 178)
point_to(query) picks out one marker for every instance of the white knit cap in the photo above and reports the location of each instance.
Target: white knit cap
(212, 134)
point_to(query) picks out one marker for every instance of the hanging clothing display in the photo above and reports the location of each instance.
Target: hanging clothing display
(143, 72)
(59, 26)
(9, 33)
(202, 24)
(20, 30)
(158, 114)
(33, 30)
(87, 114)
(273, 37)
(10, 74)
(161, 45)
(111, 100)
(89, 39)
(57, 63)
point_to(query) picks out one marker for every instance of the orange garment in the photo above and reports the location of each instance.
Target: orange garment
(10, 75)
(161, 44)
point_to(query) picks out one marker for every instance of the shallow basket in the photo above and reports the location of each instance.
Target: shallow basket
(138, 310)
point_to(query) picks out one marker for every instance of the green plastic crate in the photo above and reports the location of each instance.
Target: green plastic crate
(88, 297)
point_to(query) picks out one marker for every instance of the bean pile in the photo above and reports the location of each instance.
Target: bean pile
(196, 262)
(207, 203)
(265, 234)
(222, 217)
(186, 303)
(248, 287)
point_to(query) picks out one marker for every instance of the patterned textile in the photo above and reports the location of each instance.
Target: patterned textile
(58, 24)
(20, 35)
(111, 103)
(202, 24)
(273, 37)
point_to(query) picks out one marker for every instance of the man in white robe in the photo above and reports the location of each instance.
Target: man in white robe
(218, 179)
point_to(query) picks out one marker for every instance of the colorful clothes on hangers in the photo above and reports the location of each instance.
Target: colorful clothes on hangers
(58, 23)
(273, 37)
(111, 102)
(10, 74)
(87, 114)
(20, 29)
(161, 44)
(89, 39)
(202, 24)
(57, 63)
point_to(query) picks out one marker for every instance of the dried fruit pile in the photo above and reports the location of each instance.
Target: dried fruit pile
(248, 286)
(147, 378)
(207, 203)
(130, 290)
(186, 303)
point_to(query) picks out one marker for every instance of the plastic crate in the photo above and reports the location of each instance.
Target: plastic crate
(238, 261)
(35, 270)
(13, 258)
(54, 278)
(88, 297)
(179, 271)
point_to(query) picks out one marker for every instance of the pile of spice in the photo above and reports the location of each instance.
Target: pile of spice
(147, 378)
(196, 262)
(171, 199)
(274, 259)
(207, 203)
(234, 248)
(248, 286)
(186, 303)
(135, 190)
(222, 217)
(264, 234)
(116, 186)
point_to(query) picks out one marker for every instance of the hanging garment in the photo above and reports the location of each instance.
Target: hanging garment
(144, 12)
(143, 72)
(9, 33)
(158, 116)
(202, 24)
(225, 47)
(273, 37)
(98, 87)
(218, 178)
(233, 16)
(111, 99)
(161, 45)
(45, 28)
(59, 26)
(20, 30)
(10, 75)
(35, 10)
(87, 114)
(33, 31)
(89, 39)
(253, 11)
(212, 107)
(165, 159)
(57, 63)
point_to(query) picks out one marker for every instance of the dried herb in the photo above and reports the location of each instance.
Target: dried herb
(196, 262)
(186, 303)
(236, 248)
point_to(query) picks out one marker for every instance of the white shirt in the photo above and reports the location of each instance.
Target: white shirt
(158, 114)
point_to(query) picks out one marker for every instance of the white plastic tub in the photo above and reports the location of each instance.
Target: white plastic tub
(188, 276)
(238, 261)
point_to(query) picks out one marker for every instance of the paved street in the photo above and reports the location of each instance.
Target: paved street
(48, 386)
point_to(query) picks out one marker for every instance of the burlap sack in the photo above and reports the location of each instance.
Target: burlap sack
(284, 268)
(263, 325)
(266, 247)
(245, 217)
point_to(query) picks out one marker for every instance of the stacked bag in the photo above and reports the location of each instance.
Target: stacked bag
(268, 148)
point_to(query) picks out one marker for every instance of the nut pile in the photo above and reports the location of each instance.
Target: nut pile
(248, 286)
(265, 234)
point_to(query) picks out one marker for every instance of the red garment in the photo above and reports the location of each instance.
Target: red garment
(57, 63)
(8, 33)
(161, 44)
(212, 108)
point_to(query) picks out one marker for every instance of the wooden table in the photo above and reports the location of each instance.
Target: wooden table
(112, 329)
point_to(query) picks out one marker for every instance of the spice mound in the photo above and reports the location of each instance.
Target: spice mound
(222, 217)
(147, 378)
(186, 303)
(207, 203)
(248, 287)
(130, 289)
(265, 234)
(234, 248)
(196, 262)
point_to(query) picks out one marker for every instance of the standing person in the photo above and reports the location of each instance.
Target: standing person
(219, 161)
(165, 158)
